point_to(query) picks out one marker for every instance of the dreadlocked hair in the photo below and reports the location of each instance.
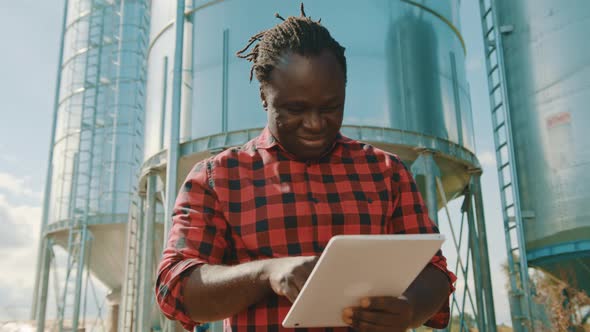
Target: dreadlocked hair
(299, 35)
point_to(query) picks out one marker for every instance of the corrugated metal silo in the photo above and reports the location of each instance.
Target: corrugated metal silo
(96, 150)
(539, 69)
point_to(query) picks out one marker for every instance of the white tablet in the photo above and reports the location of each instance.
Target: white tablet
(355, 266)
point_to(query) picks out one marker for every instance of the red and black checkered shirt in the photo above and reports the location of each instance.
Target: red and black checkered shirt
(258, 202)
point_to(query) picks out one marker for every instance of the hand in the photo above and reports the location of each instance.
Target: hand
(380, 314)
(288, 275)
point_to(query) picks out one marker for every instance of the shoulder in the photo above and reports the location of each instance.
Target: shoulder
(362, 151)
(227, 161)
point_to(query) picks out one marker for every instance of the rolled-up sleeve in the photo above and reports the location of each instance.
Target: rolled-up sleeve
(410, 216)
(197, 236)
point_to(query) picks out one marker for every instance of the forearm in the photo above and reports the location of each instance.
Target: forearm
(427, 293)
(214, 292)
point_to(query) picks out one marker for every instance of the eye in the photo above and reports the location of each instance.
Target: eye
(331, 109)
(293, 110)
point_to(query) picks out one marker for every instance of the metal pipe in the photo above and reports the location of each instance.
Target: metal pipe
(79, 275)
(173, 142)
(139, 268)
(456, 99)
(224, 81)
(146, 293)
(174, 133)
(88, 253)
(164, 102)
(483, 252)
(186, 110)
(475, 258)
(431, 199)
(45, 267)
(48, 179)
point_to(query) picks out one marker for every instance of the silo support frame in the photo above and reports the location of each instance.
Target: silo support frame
(41, 308)
(483, 247)
(48, 179)
(477, 250)
(146, 293)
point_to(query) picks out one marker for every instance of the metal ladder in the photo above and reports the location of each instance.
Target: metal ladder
(130, 287)
(76, 239)
(520, 293)
(82, 175)
(130, 291)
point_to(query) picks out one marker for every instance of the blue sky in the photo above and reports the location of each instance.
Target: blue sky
(30, 32)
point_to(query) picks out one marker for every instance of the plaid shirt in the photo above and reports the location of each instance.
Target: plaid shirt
(258, 202)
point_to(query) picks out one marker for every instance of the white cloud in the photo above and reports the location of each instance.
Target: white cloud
(19, 234)
(487, 159)
(18, 186)
(20, 224)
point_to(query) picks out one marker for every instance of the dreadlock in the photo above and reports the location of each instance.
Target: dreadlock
(300, 35)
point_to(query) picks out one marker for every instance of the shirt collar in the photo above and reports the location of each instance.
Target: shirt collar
(267, 141)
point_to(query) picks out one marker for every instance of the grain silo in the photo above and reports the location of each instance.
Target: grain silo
(538, 63)
(407, 93)
(96, 150)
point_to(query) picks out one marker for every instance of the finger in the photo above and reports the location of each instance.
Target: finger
(380, 318)
(300, 278)
(291, 290)
(347, 314)
(291, 294)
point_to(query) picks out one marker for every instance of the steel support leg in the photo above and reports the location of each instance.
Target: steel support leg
(476, 263)
(147, 267)
(486, 278)
(44, 283)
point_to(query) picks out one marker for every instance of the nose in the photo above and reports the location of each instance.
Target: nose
(314, 122)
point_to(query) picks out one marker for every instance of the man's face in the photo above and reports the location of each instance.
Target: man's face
(304, 99)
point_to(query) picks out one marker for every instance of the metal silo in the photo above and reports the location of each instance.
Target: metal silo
(407, 93)
(539, 76)
(96, 150)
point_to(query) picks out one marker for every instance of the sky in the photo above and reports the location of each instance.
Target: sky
(30, 34)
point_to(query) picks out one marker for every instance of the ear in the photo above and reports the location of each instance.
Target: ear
(263, 98)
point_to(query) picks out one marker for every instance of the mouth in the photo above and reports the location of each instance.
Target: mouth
(314, 142)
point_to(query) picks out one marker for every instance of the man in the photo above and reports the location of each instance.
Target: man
(250, 222)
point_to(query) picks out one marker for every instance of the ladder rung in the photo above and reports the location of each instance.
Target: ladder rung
(489, 31)
(504, 165)
(499, 126)
(511, 227)
(508, 207)
(492, 48)
(507, 185)
(497, 107)
(496, 87)
(494, 68)
(502, 146)
(487, 13)
(514, 249)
